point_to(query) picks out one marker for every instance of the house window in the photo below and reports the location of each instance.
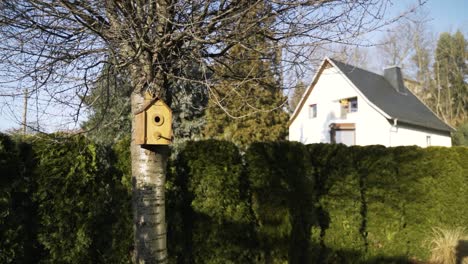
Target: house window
(353, 106)
(428, 141)
(343, 133)
(313, 111)
(348, 105)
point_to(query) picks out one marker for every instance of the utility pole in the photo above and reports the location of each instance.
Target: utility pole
(25, 110)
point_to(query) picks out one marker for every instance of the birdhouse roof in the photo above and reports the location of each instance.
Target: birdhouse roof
(149, 104)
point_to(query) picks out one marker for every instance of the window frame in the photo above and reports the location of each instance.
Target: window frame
(347, 106)
(352, 109)
(312, 111)
(428, 140)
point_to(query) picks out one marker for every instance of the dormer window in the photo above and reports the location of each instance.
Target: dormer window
(312, 111)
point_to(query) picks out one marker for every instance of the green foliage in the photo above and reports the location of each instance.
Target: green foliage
(296, 96)
(423, 180)
(251, 113)
(188, 103)
(450, 73)
(123, 163)
(109, 101)
(247, 100)
(215, 204)
(62, 201)
(17, 211)
(339, 203)
(110, 116)
(460, 137)
(121, 207)
(383, 201)
(79, 203)
(379, 204)
(282, 190)
(68, 201)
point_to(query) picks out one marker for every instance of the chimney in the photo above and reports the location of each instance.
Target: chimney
(395, 78)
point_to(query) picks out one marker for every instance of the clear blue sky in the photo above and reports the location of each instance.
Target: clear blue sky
(446, 15)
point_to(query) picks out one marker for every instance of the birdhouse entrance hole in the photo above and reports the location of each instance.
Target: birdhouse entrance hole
(158, 120)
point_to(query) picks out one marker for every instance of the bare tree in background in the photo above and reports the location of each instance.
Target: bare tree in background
(397, 45)
(408, 44)
(59, 47)
(438, 71)
(353, 55)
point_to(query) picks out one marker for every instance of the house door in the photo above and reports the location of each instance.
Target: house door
(345, 137)
(343, 133)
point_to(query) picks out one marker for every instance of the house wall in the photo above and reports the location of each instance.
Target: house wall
(371, 126)
(404, 135)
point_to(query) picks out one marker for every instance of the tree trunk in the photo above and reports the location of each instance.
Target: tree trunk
(148, 178)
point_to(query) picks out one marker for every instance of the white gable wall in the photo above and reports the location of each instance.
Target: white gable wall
(332, 86)
(316, 130)
(371, 126)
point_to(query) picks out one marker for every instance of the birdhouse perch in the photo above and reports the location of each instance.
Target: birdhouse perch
(153, 123)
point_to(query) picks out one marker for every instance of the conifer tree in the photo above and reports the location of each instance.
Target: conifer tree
(109, 102)
(109, 118)
(450, 74)
(248, 103)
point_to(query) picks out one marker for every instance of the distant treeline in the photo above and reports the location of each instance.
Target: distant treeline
(69, 201)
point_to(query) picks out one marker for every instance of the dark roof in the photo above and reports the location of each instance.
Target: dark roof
(404, 106)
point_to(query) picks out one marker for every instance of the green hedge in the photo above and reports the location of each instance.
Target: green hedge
(282, 191)
(214, 203)
(83, 208)
(18, 219)
(338, 204)
(68, 200)
(65, 203)
(383, 198)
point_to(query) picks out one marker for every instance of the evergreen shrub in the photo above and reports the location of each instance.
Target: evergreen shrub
(339, 204)
(62, 201)
(383, 201)
(17, 211)
(215, 205)
(69, 201)
(282, 190)
(80, 203)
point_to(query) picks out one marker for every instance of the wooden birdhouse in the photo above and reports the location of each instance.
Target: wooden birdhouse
(153, 123)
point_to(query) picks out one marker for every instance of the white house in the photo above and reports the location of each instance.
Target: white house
(346, 104)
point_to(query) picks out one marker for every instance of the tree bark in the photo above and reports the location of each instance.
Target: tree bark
(148, 178)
